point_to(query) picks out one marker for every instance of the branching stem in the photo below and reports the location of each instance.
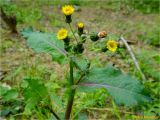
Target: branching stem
(72, 32)
(80, 78)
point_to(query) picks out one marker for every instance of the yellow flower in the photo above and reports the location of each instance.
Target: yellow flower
(62, 34)
(80, 25)
(68, 9)
(112, 45)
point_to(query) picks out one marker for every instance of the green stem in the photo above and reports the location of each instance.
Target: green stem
(53, 112)
(80, 78)
(72, 92)
(72, 32)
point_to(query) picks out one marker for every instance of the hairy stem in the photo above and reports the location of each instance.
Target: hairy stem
(72, 92)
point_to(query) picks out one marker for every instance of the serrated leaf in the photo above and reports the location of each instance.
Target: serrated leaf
(81, 64)
(123, 88)
(35, 89)
(34, 93)
(45, 42)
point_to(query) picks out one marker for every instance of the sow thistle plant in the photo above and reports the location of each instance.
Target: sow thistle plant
(124, 89)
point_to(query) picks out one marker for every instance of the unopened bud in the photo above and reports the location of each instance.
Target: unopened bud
(94, 36)
(102, 34)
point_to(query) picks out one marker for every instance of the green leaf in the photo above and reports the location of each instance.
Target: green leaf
(45, 43)
(81, 64)
(123, 88)
(34, 93)
(29, 106)
(3, 89)
(56, 101)
(5, 112)
(10, 95)
(35, 89)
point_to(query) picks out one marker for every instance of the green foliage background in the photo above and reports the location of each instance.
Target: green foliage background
(16, 90)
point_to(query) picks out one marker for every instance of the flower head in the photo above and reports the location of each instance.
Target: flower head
(112, 45)
(80, 25)
(68, 9)
(62, 34)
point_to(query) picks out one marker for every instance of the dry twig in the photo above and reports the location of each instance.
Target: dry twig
(133, 57)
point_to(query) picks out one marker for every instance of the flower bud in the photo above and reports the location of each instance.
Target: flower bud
(104, 49)
(67, 48)
(94, 36)
(102, 34)
(83, 38)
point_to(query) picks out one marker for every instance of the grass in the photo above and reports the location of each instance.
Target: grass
(18, 61)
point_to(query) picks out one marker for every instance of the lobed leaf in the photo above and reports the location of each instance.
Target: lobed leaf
(123, 88)
(45, 42)
(34, 93)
